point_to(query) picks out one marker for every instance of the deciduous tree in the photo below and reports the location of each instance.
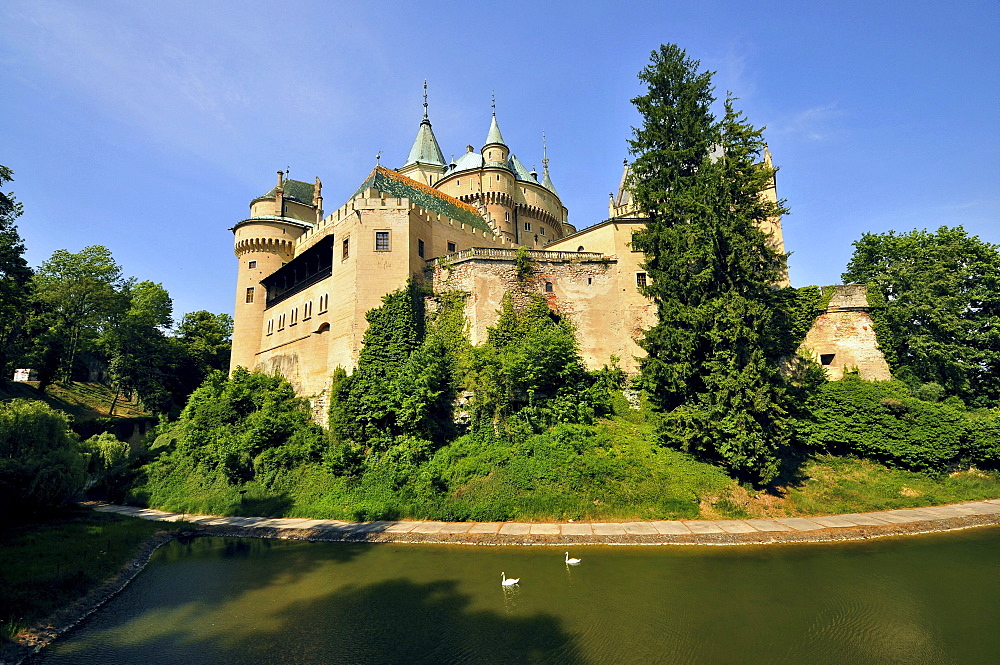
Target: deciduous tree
(940, 319)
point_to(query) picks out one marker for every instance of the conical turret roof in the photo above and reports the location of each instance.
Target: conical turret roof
(425, 148)
(547, 182)
(494, 136)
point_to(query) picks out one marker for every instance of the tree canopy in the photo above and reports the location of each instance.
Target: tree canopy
(711, 367)
(15, 275)
(940, 314)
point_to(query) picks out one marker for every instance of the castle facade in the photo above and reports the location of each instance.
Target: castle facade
(306, 277)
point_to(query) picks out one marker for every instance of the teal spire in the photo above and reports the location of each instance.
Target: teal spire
(494, 136)
(425, 148)
(546, 180)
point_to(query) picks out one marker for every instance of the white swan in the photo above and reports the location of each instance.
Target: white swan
(572, 562)
(508, 582)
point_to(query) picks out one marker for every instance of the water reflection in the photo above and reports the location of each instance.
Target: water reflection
(929, 599)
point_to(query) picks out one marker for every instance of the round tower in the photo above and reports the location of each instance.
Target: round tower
(264, 242)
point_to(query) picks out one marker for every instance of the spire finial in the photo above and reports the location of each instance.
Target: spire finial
(378, 158)
(545, 154)
(493, 96)
(425, 99)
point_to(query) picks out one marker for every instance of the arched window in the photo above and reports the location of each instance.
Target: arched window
(548, 287)
(580, 248)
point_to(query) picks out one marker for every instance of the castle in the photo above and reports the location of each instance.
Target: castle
(306, 278)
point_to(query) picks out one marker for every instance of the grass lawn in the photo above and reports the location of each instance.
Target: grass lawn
(51, 563)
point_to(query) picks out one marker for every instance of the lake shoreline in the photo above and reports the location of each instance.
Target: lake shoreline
(30, 641)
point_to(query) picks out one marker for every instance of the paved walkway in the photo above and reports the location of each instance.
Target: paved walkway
(714, 532)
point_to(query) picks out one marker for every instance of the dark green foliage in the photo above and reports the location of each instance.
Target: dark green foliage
(936, 303)
(136, 348)
(76, 294)
(880, 420)
(403, 384)
(41, 466)
(15, 277)
(984, 438)
(244, 427)
(529, 374)
(712, 363)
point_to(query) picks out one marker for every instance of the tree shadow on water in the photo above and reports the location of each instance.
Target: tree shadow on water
(393, 621)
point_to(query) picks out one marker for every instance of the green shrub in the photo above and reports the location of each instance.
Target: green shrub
(41, 466)
(984, 438)
(881, 421)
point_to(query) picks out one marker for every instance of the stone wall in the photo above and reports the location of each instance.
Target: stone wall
(844, 337)
(585, 291)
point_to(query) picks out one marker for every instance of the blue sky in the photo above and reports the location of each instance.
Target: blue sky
(149, 126)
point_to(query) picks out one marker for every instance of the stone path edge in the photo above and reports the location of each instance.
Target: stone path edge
(827, 528)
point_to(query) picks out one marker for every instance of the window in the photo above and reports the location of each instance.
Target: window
(270, 326)
(640, 279)
(420, 248)
(451, 247)
(307, 311)
(281, 322)
(548, 287)
(381, 241)
(498, 175)
(826, 358)
(252, 265)
(295, 316)
(249, 295)
(458, 182)
(324, 302)
(580, 248)
(347, 249)
(506, 217)
(541, 229)
(527, 226)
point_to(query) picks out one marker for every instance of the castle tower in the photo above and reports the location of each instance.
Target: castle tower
(264, 242)
(425, 162)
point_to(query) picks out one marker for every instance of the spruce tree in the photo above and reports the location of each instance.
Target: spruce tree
(711, 367)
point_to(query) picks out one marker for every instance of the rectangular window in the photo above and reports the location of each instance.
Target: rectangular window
(252, 265)
(451, 247)
(541, 229)
(640, 279)
(420, 248)
(249, 294)
(527, 226)
(347, 248)
(381, 241)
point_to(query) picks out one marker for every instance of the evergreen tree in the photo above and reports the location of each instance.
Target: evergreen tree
(711, 365)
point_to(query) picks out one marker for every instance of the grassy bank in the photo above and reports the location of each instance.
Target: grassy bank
(51, 563)
(612, 470)
(83, 401)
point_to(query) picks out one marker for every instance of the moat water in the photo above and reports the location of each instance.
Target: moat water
(931, 599)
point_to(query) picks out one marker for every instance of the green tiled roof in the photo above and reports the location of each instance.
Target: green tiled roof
(389, 182)
(294, 189)
(519, 171)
